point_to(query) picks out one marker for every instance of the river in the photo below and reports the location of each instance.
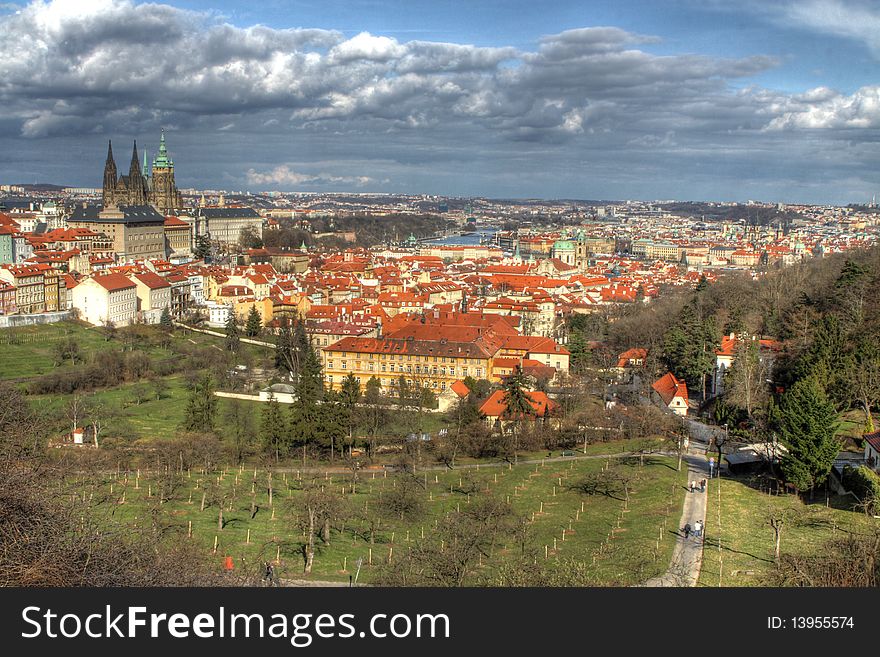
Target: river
(467, 239)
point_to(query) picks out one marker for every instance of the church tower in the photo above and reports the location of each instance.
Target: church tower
(164, 195)
(137, 187)
(108, 193)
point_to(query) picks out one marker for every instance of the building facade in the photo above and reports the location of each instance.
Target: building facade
(136, 231)
(148, 186)
(108, 298)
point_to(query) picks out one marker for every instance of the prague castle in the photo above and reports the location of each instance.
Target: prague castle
(148, 186)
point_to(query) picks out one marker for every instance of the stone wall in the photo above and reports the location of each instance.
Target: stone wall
(15, 321)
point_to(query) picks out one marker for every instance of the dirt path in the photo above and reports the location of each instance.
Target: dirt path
(687, 556)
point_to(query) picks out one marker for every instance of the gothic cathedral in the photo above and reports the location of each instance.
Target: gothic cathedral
(154, 187)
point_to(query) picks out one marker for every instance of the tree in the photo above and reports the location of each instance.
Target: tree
(165, 320)
(160, 386)
(863, 378)
(67, 349)
(806, 423)
(285, 355)
(201, 408)
(316, 508)
(745, 383)
(238, 424)
(254, 324)
(517, 404)
(310, 380)
(453, 552)
(349, 395)
(249, 239)
(688, 346)
(202, 248)
(405, 500)
(273, 430)
(232, 337)
(373, 413)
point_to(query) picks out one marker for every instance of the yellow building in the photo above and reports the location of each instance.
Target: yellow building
(426, 364)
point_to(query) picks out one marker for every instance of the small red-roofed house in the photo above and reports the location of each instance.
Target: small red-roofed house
(634, 357)
(673, 393)
(454, 394)
(494, 409)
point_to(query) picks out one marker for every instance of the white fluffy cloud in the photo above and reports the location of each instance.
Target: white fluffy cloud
(824, 108)
(284, 178)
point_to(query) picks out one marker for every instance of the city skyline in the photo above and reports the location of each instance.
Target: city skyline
(503, 99)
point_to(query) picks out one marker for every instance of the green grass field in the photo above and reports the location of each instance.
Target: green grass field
(747, 539)
(29, 351)
(617, 540)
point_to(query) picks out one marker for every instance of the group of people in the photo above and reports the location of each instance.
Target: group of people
(701, 484)
(696, 530)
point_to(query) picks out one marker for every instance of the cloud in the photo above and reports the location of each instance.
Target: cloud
(282, 176)
(824, 108)
(592, 103)
(859, 21)
(187, 67)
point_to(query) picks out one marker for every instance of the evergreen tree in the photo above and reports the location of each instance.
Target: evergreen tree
(806, 423)
(254, 325)
(689, 347)
(350, 392)
(403, 392)
(285, 359)
(516, 397)
(165, 319)
(232, 339)
(310, 381)
(201, 408)
(273, 430)
(517, 405)
(373, 391)
(580, 353)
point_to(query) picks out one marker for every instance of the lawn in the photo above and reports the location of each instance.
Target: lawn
(29, 351)
(622, 542)
(747, 540)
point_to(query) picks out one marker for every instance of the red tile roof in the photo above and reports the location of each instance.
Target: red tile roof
(668, 387)
(113, 282)
(495, 406)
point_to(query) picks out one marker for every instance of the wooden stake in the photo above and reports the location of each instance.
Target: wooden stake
(215, 544)
(248, 540)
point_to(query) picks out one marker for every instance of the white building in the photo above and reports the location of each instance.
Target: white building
(106, 298)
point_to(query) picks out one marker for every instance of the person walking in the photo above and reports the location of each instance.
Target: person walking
(693, 484)
(687, 530)
(702, 485)
(698, 528)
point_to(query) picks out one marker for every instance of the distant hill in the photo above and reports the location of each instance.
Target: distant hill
(41, 187)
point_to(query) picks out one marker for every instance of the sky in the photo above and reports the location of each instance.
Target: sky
(690, 100)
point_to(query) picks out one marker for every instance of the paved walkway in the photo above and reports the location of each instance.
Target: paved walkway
(687, 556)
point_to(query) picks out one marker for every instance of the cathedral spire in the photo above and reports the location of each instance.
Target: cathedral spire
(108, 192)
(135, 165)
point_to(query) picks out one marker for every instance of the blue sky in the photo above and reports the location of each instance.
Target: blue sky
(690, 100)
